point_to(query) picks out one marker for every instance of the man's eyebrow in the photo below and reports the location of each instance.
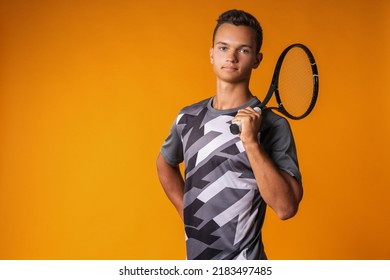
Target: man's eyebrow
(226, 44)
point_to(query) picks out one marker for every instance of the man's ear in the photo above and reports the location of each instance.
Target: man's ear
(259, 58)
(211, 55)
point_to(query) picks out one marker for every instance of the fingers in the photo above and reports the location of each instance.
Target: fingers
(249, 118)
(248, 112)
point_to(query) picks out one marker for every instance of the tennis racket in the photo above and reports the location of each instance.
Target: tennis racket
(295, 84)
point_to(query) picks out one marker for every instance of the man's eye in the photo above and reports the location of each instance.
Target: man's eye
(223, 49)
(244, 51)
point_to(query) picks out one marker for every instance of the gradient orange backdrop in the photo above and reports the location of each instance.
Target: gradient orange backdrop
(88, 92)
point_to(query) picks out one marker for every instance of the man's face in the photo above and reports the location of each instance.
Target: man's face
(233, 54)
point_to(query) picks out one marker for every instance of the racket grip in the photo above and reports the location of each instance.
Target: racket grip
(235, 127)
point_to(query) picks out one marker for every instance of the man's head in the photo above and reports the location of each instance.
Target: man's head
(238, 18)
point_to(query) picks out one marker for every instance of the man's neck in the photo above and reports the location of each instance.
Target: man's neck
(231, 96)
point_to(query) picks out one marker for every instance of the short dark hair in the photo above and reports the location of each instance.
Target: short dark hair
(238, 17)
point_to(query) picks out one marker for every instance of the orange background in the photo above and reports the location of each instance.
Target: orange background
(88, 92)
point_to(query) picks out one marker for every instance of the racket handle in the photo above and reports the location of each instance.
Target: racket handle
(257, 109)
(235, 127)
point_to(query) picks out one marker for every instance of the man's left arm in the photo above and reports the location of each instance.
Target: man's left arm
(280, 190)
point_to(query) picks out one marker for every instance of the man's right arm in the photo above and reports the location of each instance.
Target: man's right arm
(172, 182)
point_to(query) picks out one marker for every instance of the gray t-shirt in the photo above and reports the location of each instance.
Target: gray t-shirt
(223, 209)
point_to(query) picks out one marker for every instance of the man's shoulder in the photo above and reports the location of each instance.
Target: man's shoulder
(272, 120)
(195, 108)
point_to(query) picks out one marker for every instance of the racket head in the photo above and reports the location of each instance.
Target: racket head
(296, 82)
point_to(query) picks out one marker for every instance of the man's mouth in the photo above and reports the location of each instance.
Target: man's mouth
(229, 68)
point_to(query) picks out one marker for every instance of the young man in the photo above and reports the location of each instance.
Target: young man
(229, 179)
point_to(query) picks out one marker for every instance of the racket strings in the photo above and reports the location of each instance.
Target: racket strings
(296, 82)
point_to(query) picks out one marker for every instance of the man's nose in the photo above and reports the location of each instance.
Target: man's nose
(231, 56)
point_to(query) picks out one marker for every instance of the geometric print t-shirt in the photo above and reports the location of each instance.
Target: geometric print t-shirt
(223, 208)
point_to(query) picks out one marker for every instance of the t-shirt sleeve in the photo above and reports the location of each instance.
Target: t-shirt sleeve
(172, 148)
(280, 145)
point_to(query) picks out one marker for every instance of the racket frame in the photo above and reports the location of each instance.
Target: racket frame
(275, 81)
